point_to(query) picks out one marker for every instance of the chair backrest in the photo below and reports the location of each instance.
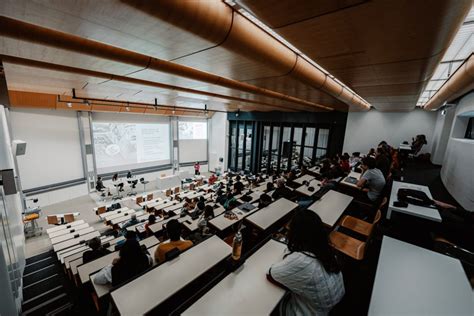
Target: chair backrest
(101, 210)
(192, 186)
(149, 197)
(69, 218)
(176, 190)
(172, 253)
(52, 220)
(378, 215)
(383, 203)
(139, 199)
(168, 192)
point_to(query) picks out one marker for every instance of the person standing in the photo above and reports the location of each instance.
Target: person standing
(197, 168)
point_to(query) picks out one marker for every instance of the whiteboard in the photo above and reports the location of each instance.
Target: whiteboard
(53, 152)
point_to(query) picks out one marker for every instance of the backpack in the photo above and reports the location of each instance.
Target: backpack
(414, 197)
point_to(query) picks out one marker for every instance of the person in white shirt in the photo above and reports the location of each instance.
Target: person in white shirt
(308, 269)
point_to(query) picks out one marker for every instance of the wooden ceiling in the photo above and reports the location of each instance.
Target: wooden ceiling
(385, 50)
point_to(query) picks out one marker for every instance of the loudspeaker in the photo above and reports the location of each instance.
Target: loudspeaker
(19, 147)
(8, 181)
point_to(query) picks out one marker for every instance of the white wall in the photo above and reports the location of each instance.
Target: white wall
(366, 129)
(441, 135)
(457, 172)
(218, 140)
(53, 150)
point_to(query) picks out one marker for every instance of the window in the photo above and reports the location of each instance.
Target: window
(322, 145)
(470, 129)
(265, 148)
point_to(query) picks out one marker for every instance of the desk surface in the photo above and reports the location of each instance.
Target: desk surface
(245, 291)
(192, 225)
(136, 298)
(64, 226)
(67, 231)
(411, 280)
(125, 218)
(255, 196)
(112, 214)
(158, 226)
(304, 189)
(306, 177)
(68, 236)
(415, 210)
(404, 147)
(354, 175)
(331, 206)
(75, 241)
(269, 215)
(221, 222)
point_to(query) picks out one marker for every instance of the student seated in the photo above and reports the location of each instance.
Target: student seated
(270, 187)
(282, 191)
(151, 221)
(133, 220)
(96, 251)
(206, 216)
(372, 179)
(382, 162)
(238, 186)
(131, 262)
(308, 269)
(354, 160)
(115, 179)
(173, 227)
(264, 201)
(199, 209)
(212, 179)
(99, 186)
(344, 163)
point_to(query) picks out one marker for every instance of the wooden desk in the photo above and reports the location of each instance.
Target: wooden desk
(136, 298)
(107, 216)
(245, 291)
(352, 174)
(158, 226)
(192, 225)
(125, 218)
(414, 210)
(269, 215)
(75, 241)
(67, 231)
(304, 188)
(64, 226)
(65, 237)
(255, 196)
(331, 206)
(411, 280)
(301, 179)
(122, 213)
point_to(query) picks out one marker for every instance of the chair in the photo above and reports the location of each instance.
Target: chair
(139, 199)
(360, 226)
(101, 210)
(142, 181)
(149, 197)
(352, 247)
(172, 253)
(52, 220)
(176, 190)
(168, 192)
(192, 186)
(69, 218)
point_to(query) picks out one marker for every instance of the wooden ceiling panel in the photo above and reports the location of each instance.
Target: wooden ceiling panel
(111, 21)
(378, 48)
(225, 63)
(285, 12)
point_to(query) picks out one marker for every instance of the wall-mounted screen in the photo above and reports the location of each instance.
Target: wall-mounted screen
(192, 130)
(121, 146)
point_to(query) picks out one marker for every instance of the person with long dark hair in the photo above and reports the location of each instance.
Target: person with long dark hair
(131, 262)
(309, 269)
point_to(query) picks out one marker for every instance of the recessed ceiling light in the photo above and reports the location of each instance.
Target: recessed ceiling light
(69, 105)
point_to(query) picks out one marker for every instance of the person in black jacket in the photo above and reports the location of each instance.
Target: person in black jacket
(282, 191)
(96, 251)
(382, 162)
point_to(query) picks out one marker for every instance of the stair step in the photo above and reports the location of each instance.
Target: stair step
(40, 274)
(39, 264)
(43, 297)
(39, 257)
(47, 307)
(42, 286)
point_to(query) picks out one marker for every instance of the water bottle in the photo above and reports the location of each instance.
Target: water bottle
(237, 246)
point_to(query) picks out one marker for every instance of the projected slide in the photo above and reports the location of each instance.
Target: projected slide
(192, 130)
(127, 145)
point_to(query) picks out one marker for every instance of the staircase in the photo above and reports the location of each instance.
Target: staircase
(45, 286)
